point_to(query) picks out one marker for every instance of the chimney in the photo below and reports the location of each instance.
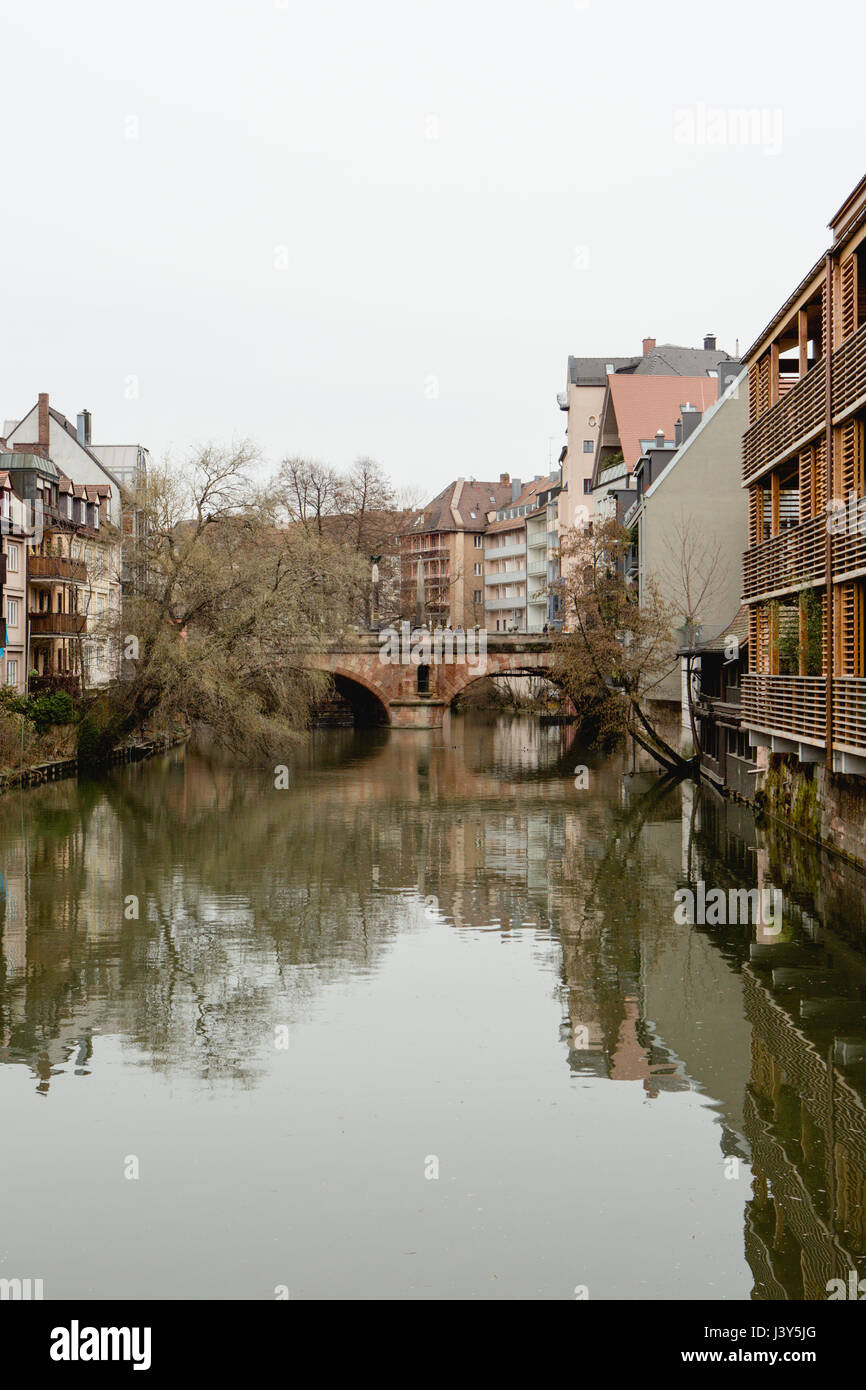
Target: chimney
(516, 488)
(660, 439)
(710, 342)
(504, 479)
(691, 418)
(82, 432)
(678, 433)
(648, 345)
(42, 409)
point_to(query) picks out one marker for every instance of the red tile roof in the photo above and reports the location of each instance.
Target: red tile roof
(646, 404)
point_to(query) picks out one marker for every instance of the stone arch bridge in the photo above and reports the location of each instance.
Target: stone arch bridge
(385, 685)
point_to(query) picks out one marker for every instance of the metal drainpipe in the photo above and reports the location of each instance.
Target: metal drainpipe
(828, 540)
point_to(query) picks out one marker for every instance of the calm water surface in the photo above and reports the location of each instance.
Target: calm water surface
(509, 1072)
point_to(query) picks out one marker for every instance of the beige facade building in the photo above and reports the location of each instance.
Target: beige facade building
(442, 553)
(689, 526)
(62, 556)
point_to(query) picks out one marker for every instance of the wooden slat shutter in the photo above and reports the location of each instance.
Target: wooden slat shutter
(756, 515)
(807, 484)
(849, 460)
(754, 373)
(820, 474)
(847, 298)
(764, 384)
(754, 654)
(849, 629)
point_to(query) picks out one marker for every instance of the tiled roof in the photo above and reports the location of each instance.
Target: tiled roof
(668, 359)
(453, 509)
(738, 627)
(645, 404)
(593, 371)
(512, 523)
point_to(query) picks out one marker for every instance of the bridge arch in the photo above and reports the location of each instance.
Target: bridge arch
(460, 677)
(369, 704)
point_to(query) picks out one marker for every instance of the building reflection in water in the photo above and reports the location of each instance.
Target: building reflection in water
(182, 905)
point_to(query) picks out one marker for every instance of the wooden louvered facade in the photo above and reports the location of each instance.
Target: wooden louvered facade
(804, 465)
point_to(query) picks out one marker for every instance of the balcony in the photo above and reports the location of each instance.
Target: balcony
(793, 560)
(56, 567)
(537, 566)
(512, 601)
(506, 577)
(849, 374)
(849, 547)
(57, 624)
(788, 424)
(849, 714)
(501, 552)
(790, 707)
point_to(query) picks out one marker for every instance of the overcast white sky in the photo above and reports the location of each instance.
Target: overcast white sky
(381, 227)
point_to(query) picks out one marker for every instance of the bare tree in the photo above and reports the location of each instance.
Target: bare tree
(696, 568)
(614, 651)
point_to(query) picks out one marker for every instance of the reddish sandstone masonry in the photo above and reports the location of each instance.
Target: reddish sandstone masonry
(395, 684)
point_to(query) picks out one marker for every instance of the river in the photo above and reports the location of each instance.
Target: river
(421, 1022)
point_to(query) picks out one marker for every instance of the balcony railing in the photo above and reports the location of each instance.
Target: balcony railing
(849, 547)
(792, 706)
(57, 624)
(505, 577)
(56, 567)
(849, 372)
(501, 552)
(787, 562)
(792, 420)
(849, 713)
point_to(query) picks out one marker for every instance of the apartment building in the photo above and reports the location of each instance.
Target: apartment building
(442, 553)
(13, 587)
(803, 469)
(521, 558)
(586, 401)
(61, 556)
(687, 524)
(122, 468)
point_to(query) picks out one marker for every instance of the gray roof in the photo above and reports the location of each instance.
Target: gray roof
(738, 627)
(593, 371)
(21, 459)
(667, 359)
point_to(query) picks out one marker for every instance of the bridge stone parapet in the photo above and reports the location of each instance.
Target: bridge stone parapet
(408, 693)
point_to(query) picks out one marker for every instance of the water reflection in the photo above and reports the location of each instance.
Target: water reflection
(186, 907)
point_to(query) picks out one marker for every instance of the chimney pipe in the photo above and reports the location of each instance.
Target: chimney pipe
(710, 342)
(648, 345)
(82, 432)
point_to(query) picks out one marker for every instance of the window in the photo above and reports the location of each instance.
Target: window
(12, 612)
(588, 446)
(587, 486)
(11, 672)
(12, 558)
(476, 596)
(478, 569)
(479, 541)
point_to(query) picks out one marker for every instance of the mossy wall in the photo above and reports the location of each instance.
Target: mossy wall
(826, 806)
